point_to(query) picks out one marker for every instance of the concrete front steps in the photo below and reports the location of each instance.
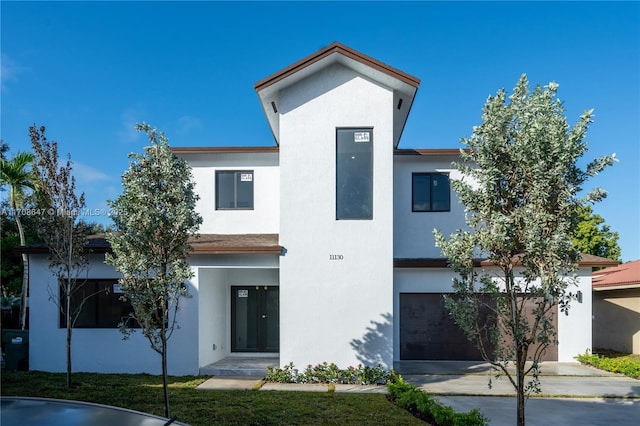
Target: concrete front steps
(237, 366)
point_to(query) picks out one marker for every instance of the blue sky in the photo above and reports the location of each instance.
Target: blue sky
(89, 71)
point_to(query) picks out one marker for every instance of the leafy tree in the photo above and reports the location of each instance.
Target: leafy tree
(520, 187)
(16, 174)
(11, 260)
(155, 217)
(60, 228)
(4, 148)
(593, 236)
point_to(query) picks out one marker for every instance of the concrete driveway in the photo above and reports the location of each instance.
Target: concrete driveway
(572, 393)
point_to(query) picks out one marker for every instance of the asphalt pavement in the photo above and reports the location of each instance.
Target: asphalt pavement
(572, 393)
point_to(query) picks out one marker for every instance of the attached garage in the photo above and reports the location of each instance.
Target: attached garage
(427, 331)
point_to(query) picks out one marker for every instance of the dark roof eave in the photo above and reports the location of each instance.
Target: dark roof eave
(178, 150)
(208, 244)
(45, 250)
(236, 250)
(586, 260)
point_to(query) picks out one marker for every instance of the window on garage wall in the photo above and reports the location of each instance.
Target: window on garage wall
(430, 192)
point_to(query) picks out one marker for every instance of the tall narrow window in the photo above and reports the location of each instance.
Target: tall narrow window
(234, 190)
(430, 192)
(354, 174)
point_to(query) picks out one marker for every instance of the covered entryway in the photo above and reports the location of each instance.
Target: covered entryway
(255, 319)
(427, 331)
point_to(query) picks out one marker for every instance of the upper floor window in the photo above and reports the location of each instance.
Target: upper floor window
(234, 190)
(99, 304)
(430, 192)
(354, 174)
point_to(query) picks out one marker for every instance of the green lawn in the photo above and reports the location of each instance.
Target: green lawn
(206, 407)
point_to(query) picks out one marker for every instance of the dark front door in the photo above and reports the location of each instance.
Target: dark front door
(255, 319)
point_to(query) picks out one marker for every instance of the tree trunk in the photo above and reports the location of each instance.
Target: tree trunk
(521, 387)
(165, 384)
(69, 331)
(25, 289)
(520, 349)
(25, 272)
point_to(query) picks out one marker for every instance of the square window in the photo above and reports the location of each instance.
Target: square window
(234, 190)
(99, 304)
(430, 192)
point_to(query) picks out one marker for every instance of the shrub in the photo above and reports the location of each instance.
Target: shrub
(328, 373)
(614, 362)
(287, 374)
(423, 406)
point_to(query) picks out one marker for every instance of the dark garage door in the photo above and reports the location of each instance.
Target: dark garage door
(427, 332)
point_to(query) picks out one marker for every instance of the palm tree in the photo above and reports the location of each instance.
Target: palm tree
(17, 176)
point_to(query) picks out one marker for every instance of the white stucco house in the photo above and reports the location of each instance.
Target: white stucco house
(319, 248)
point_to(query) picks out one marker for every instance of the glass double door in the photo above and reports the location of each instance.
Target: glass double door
(255, 319)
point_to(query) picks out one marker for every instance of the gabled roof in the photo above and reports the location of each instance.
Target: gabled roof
(626, 275)
(403, 84)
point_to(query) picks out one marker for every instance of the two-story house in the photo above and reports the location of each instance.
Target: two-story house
(319, 248)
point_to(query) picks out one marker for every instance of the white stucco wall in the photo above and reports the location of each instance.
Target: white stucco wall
(213, 318)
(101, 350)
(413, 231)
(214, 284)
(574, 329)
(328, 305)
(263, 219)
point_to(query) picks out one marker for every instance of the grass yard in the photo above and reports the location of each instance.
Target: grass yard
(616, 362)
(205, 407)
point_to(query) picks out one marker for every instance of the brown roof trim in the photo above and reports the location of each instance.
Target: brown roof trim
(237, 250)
(204, 244)
(224, 149)
(585, 260)
(596, 261)
(236, 244)
(428, 152)
(337, 47)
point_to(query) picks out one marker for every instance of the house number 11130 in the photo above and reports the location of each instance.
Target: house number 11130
(336, 257)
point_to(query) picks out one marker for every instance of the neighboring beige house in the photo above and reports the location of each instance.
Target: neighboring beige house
(616, 308)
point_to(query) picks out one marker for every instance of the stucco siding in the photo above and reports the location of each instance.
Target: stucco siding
(263, 218)
(413, 231)
(328, 305)
(100, 350)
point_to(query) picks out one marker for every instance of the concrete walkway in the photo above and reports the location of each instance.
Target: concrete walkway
(571, 393)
